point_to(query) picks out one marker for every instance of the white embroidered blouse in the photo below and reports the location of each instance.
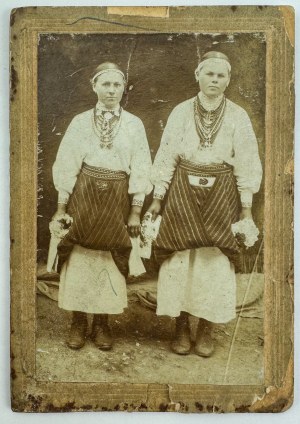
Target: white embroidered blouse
(235, 144)
(129, 153)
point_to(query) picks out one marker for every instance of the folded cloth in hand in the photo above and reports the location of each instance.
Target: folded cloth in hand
(59, 227)
(149, 232)
(247, 230)
(136, 266)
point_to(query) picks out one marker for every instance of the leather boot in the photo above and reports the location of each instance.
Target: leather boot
(204, 345)
(182, 341)
(77, 333)
(101, 334)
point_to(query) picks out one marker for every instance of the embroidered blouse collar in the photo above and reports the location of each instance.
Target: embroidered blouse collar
(210, 104)
(100, 108)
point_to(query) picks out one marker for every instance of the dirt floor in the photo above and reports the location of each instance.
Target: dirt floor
(141, 351)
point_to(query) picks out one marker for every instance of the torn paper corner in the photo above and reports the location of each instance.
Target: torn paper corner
(277, 399)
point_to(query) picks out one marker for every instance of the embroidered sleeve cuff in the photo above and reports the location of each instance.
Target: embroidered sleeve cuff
(63, 197)
(159, 192)
(138, 199)
(158, 196)
(136, 202)
(246, 198)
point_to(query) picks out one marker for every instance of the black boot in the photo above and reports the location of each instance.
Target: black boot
(77, 333)
(182, 341)
(101, 334)
(204, 345)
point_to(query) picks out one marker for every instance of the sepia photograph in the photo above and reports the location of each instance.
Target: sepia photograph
(196, 302)
(154, 181)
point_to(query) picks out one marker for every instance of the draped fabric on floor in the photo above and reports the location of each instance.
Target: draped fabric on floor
(198, 216)
(99, 206)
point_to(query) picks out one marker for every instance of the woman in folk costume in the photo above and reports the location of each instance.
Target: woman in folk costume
(101, 174)
(208, 164)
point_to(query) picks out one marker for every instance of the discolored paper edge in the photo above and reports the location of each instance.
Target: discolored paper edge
(147, 11)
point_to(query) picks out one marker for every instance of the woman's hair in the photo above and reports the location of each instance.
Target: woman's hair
(105, 67)
(213, 56)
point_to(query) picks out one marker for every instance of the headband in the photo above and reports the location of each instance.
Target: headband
(108, 70)
(214, 60)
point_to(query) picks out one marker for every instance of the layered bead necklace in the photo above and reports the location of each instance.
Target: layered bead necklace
(208, 122)
(106, 126)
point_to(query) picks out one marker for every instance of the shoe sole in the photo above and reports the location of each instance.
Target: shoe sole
(181, 353)
(187, 352)
(204, 355)
(103, 347)
(75, 347)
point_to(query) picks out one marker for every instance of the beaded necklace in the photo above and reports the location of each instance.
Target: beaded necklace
(106, 126)
(208, 122)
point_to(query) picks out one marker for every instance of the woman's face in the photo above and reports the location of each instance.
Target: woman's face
(213, 79)
(109, 88)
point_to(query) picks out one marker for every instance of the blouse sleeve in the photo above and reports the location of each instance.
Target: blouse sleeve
(247, 165)
(68, 162)
(168, 153)
(140, 165)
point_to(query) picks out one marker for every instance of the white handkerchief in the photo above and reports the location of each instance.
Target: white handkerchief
(52, 254)
(149, 232)
(136, 266)
(247, 228)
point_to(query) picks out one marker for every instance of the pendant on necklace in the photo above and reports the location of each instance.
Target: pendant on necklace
(105, 145)
(208, 119)
(107, 116)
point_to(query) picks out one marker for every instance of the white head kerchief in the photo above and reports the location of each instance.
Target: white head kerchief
(211, 60)
(108, 70)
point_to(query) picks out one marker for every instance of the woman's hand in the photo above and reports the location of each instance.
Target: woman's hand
(62, 216)
(134, 221)
(240, 238)
(246, 213)
(155, 208)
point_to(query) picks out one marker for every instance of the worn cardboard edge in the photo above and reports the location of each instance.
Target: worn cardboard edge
(277, 399)
(29, 395)
(146, 11)
(176, 13)
(288, 15)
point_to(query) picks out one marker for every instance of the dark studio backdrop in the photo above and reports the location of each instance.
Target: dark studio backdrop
(160, 71)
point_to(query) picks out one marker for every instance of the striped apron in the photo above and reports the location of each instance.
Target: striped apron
(202, 204)
(99, 206)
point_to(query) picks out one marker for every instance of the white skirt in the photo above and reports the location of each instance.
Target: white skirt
(91, 282)
(198, 281)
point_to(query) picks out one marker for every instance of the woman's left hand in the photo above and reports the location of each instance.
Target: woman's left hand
(246, 213)
(134, 223)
